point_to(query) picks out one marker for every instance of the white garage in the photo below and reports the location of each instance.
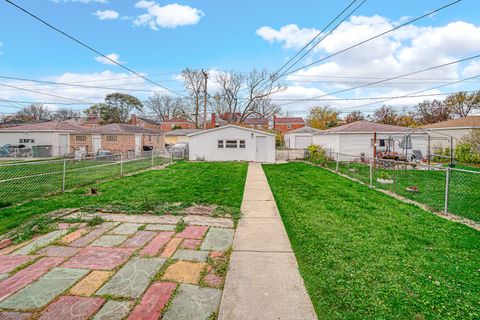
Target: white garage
(300, 138)
(232, 143)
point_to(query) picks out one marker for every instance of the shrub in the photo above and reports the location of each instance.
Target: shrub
(317, 154)
(466, 153)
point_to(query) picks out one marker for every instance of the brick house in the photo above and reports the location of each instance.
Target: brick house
(117, 138)
(228, 118)
(169, 124)
(144, 122)
(287, 124)
(256, 123)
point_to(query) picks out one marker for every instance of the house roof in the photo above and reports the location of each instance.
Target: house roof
(120, 128)
(181, 132)
(364, 127)
(47, 126)
(290, 120)
(148, 121)
(255, 121)
(176, 120)
(466, 122)
(305, 129)
(231, 126)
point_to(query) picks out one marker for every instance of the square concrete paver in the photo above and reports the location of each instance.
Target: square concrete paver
(193, 232)
(59, 251)
(72, 308)
(94, 234)
(268, 209)
(193, 303)
(99, 258)
(153, 301)
(108, 240)
(208, 221)
(114, 310)
(191, 255)
(91, 283)
(160, 227)
(184, 271)
(170, 248)
(258, 234)
(26, 276)
(74, 235)
(218, 239)
(41, 292)
(191, 244)
(139, 239)
(133, 278)
(40, 242)
(157, 243)
(126, 228)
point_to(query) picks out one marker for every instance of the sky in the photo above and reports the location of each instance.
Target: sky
(161, 38)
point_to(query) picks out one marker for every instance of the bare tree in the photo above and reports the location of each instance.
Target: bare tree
(428, 112)
(194, 81)
(462, 103)
(386, 115)
(354, 116)
(163, 107)
(258, 87)
(65, 114)
(34, 112)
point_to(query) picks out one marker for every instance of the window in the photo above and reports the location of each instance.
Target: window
(80, 138)
(382, 142)
(220, 144)
(242, 144)
(289, 126)
(231, 144)
(26, 141)
(111, 138)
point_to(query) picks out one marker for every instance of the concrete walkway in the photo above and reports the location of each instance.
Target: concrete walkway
(263, 281)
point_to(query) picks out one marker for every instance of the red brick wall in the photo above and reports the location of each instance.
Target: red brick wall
(167, 126)
(284, 127)
(123, 143)
(74, 144)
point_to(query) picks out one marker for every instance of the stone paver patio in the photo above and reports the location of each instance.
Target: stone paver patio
(130, 267)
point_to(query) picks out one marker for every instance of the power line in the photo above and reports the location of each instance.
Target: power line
(374, 37)
(89, 47)
(396, 77)
(39, 92)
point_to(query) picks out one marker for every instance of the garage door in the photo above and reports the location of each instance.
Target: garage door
(302, 142)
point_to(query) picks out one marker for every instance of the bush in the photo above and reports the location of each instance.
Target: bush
(317, 155)
(466, 153)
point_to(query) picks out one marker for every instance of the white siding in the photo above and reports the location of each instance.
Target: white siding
(205, 146)
(40, 137)
(291, 140)
(328, 141)
(441, 137)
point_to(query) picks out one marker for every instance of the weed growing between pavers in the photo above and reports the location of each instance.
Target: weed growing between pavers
(181, 225)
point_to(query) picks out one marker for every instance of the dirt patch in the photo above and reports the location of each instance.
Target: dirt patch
(200, 210)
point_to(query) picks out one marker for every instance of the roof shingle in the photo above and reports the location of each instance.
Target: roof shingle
(364, 126)
(468, 122)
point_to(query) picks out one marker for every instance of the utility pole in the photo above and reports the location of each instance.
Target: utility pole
(205, 74)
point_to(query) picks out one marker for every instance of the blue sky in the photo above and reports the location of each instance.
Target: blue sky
(223, 35)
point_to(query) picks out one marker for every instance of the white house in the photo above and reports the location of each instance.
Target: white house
(441, 132)
(300, 138)
(357, 138)
(232, 143)
(54, 135)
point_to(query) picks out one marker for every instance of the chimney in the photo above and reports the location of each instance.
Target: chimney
(133, 119)
(214, 121)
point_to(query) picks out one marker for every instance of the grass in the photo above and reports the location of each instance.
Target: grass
(464, 197)
(181, 183)
(365, 255)
(20, 181)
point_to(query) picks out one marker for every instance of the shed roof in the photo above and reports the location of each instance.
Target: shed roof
(364, 127)
(231, 126)
(305, 129)
(181, 132)
(120, 128)
(466, 122)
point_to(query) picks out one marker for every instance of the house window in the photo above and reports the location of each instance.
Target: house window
(80, 138)
(26, 141)
(382, 142)
(242, 144)
(111, 138)
(231, 144)
(220, 144)
(289, 126)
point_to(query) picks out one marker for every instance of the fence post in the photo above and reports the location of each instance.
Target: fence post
(371, 172)
(336, 167)
(121, 164)
(63, 175)
(447, 183)
(152, 157)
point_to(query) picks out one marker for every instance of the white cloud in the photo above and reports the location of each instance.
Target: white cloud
(106, 14)
(406, 50)
(112, 56)
(168, 16)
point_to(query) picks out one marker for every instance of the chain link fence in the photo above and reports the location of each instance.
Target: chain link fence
(442, 188)
(21, 181)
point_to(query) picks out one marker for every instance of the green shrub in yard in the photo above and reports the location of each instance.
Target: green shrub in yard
(317, 155)
(466, 153)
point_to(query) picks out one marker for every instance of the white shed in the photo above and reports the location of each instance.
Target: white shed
(232, 143)
(52, 134)
(357, 138)
(300, 138)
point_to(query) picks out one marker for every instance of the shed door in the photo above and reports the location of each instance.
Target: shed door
(96, 143)
(302, 142)
(261, 149)
(138, 144)
(63, 145)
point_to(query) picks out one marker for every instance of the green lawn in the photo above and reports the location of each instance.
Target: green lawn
(34, 179)
(365, 255)
(156, 190)
(464, 194)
